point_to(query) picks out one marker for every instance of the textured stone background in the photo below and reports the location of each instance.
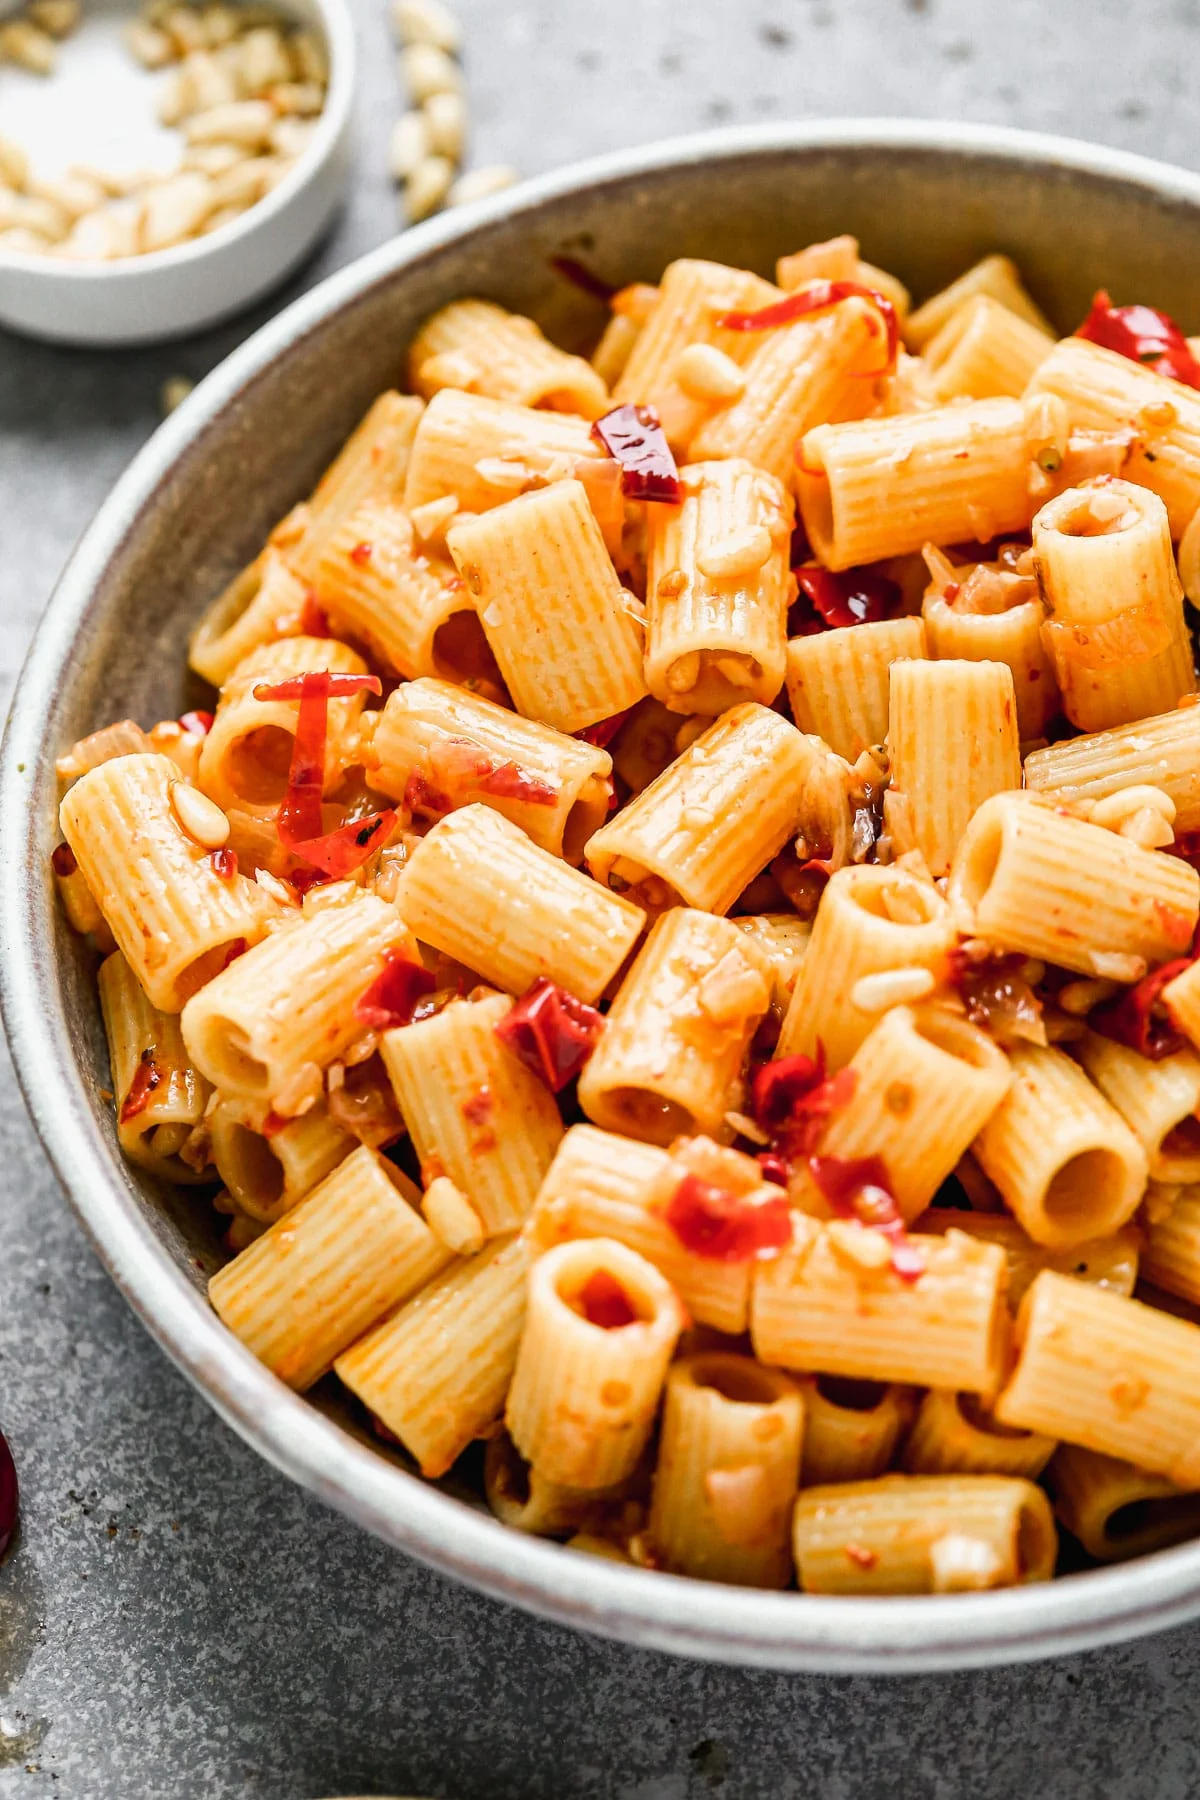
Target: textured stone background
(181, 1622)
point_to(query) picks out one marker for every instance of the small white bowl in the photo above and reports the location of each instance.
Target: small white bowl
(170, 293)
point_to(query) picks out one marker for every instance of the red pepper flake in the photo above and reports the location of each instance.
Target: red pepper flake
(634, 436)
(730, 1228)
(580, 276)
(196, 724)
(62, 861)
(362, 554)
(551, 1032)
(857, 1188)
(603, 731)
(996, 995)
(238, 947)
(605, 1303)
(479, 1107)
(224, 863)
(775, 1168)
(391, 997)
(146, 1077)
(509, 781)
(1139, 1017)
(858, 1553)
(829, 600)
(792, 1100)
(274, 1123)
(420, 796)
(314, 620)
(338, 853)
(1144, 335)
(320, 684)
(814, 297)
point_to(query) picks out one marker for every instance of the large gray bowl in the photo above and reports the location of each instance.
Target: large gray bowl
(925, 200)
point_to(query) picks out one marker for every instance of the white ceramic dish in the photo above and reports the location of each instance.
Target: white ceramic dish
(98, 108)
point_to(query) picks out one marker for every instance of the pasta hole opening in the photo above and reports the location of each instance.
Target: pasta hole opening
(1182, 1139)
(1099, 514)
(461, 654)
(957, 1038)
(606, 1300)
(240, 1070)
(1084, 1191)
(640, 1113)
(198, 974)
(977, 869)
(851, 1395)
(251, 1170)
(510, 1479)
(976, 1415)
(255, 766)
(1035, 1539)
(1167, 1515)
(734, 1379)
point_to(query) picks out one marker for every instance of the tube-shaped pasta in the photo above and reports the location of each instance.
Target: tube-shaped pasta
(727, 1472)
(176, 919)
(872, 918)
(953, 741)
(476, 345)
(1065, 1160)
(1157, 1100)
(313, 1283)
(436, 1373)
(267, 1176)
(851, 1428)
(923, 1534)
(371, 464)
(525, 1499)
(125, 737)
(777, 944)
(1162, 752)
(1116, 630)
(1108, 1373)
(601, 1185)
(1171, 1244)
(822, 1306)
(566, 635)
(475, 1112)
(872, 488)
(263, 603)
(462, 749)
(984, 350)
(1013, 638)
(479, 890)
(280, 1014)
(159, 1097)
(837, 681)
(926, 1083)
(692, 296)
(1112, 393)
(796, 376)
(484, 451)
(718, 587)
(995, 276)
(1109, 1262)
(1116, 1510)
(700, 832)
(245, 758)
(600, 1330)
(1028, 877)
(670, 1060)
(953, 1434)
(379, 588)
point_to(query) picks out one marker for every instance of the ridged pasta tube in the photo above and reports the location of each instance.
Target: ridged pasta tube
(476, 345)
(953, 742)
(1116, 1510)
(1158, 1100)
(1162, 752)
(1013, 638)
(953, 1435)
(158, 1095)
(995, 276)
(837, 681)
(1109, 1262)
(483, 451)
(984, 350)
(851, 1428)
(267, 1176)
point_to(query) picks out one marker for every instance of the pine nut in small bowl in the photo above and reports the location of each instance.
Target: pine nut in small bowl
(162, 170)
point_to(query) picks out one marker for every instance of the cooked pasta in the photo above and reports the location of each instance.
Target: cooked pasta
(671, 947)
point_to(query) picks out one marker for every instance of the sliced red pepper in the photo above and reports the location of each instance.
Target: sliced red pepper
(1131, 1019)
(338, 853)
(1144, 335)
(318, 684)
(392, 996)
(858, 1188)
(792, 1100)
(634, 436)
(723, 1227)
(551, 1032)
(831, 599)
(815, 297)
(196, 724)
(314, 620)
(509, 781)
(146, 1077)
(603, 731)
(224, 863)
(62, 861)
(605, 1303)
(421, 796)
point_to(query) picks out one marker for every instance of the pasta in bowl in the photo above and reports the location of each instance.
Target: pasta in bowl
(675, 984)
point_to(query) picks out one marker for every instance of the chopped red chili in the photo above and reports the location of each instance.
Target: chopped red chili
(551, 1032)
(421, 796)
(146, 1077)
(605, 1303)
(196, 724)
(858, 1188)
(1140, 1018)
(62, 861)
(509, 781)
(238, 947)
(603, 731)
(814, 297)
(1144, 335)
(723, 1227)
(478, 1107)
(830, 599)
(314, 620)
(338, 853)
(634, 436)
(362, 554)
(273, 1123)
(321, 684)
(580, 276)
(792, 1100)
(224, 863)
(392, 996)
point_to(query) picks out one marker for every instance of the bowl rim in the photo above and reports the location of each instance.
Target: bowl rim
(337, 27)
(822, 1634)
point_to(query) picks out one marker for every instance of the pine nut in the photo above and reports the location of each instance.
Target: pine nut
(245, 183)
(706, 373)
(246, 122)
(427, 70)
(23, 211)
(73, 195)
(427, 22)
(446, 119)
(212, 159)
(150, 46)
(451, 1217)
(427, 187)
(175, 209)
(217, 221)
(174, 391)
(409, 145)
(1079, 997)
(264, 59)
(221, 24)
(1114, 809)
(741, 553)
(94, 238)
(891, 987)
(174, 98)
(14, 164)
(58, 17)
(210, 83)
(24, 44)
(309, 61)
(200, 817)
(24, 241)
(858, 1244)
(481, 184)
(297, 99)
(291, 137)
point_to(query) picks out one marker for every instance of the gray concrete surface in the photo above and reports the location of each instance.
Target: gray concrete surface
(181, 1622)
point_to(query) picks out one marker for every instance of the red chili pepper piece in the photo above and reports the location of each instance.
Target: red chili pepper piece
(1144, 335)
(237, 948)
(603, 731)
(314, 620)
(274, 1123)
(196, 724)
(775, 1168)
(509, 781)
(792, 1100)
(551, 1032)
(362, 554)
(814, 297)
(421, 796)
(723, 1227)
(146, 1077)
(224, 863)
(633, 435)
(857, 1188)
(62, 860)
(605, 1303)
(322, 683)
(1131, 1019)
(996, 995)
(338, 853)
(831, 600)
(391, 997)
(10, 1495)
